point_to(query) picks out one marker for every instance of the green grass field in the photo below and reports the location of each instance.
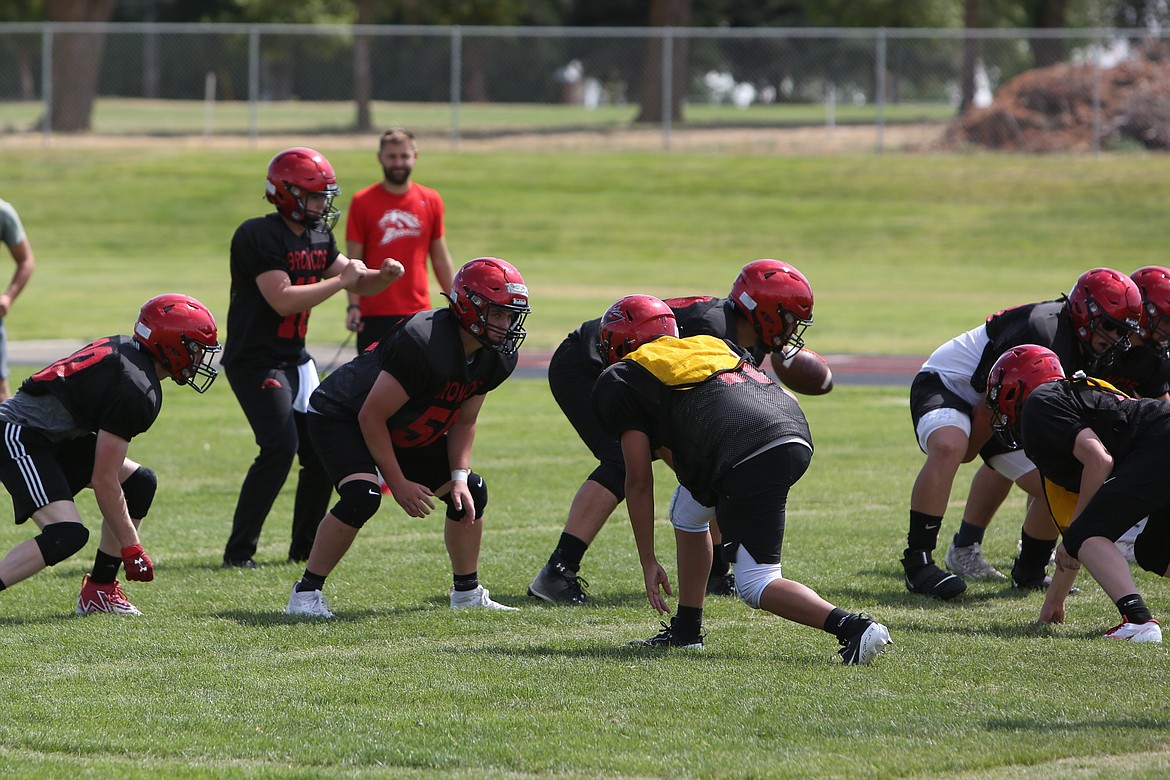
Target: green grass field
(904, 252)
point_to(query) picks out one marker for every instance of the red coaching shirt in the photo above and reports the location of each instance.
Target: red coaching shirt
(402, 227)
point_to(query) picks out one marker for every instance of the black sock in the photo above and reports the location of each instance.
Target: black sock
(968, 535)
(843, 625)
(687, 621)
(466, 582)
(1133, 609)
(719, 567)
(2, 585)
(923, 531)
(105, 568)
(1033, 558)
(311, 581)
(570, 550)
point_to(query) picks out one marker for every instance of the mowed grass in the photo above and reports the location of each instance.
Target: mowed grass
(904, 252)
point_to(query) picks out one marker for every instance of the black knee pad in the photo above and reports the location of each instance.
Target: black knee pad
(611, 475)
(61, 540)
(1151, 550)
(358, 501)
(478, 489)
(139, 489)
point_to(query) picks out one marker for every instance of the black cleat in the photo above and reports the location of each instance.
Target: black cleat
(1036, 582)
(926, 579)
(557, 584)
(668, 638)
(238, 563)
(722, 585)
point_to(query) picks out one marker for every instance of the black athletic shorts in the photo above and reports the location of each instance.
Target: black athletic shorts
(37, 471)
(342, 449)
(928, 393)
(753, 499)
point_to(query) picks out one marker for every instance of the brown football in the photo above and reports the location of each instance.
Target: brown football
(806, 372)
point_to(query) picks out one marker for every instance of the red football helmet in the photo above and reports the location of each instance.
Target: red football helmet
(1153, 282)
(1105, 302)
(179, 332)
(1013, 377)
(486, 284)
(293, 175)
(632, 321)
(778, 301)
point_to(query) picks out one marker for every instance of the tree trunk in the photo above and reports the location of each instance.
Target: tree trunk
(970, 57)
(665, 13)
(77, 61)
(361, 71)
(1049, 15)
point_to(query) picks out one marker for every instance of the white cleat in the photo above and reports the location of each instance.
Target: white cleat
(1137, 632)
(968, 562)
(478, 598)
(310, 603)
(864, 647)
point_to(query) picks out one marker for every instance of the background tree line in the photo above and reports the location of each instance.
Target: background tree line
(80, 55)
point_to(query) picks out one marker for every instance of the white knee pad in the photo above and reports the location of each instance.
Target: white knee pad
(1012, 465)
(941, 418)
(687, 514)
(751, 578)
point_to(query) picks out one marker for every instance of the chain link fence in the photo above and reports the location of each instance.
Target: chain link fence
(251, 81)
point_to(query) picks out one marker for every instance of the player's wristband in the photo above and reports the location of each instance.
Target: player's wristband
(460, 475)
(352, 306)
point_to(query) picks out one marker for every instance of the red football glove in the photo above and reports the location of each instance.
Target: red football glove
(139, 567)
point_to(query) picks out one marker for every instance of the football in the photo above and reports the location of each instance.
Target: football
(806, 372)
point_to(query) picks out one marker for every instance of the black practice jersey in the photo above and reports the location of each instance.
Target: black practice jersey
(703, 399)
(255, 332)
(699, 315)
(1138, 371)
(1044, 324)
(109, 385)
(426, 356)
(706, 316)
(1056, 412)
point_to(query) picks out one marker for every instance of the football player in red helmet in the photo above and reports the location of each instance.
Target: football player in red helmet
(1102, 455)
(1106, 310)
(738, 442)
(769, 307)
(1153, 282)
(87, 407)
(1091, 329)
(1011, 380)
(778, 301)
(302, 186)
(631, 322)
(406, 409)
(490, 300)
(180, 333)
(282, 265)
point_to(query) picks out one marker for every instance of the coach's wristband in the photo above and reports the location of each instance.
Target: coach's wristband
(460, 475)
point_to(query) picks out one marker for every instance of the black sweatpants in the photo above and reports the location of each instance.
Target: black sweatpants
(266, 395)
